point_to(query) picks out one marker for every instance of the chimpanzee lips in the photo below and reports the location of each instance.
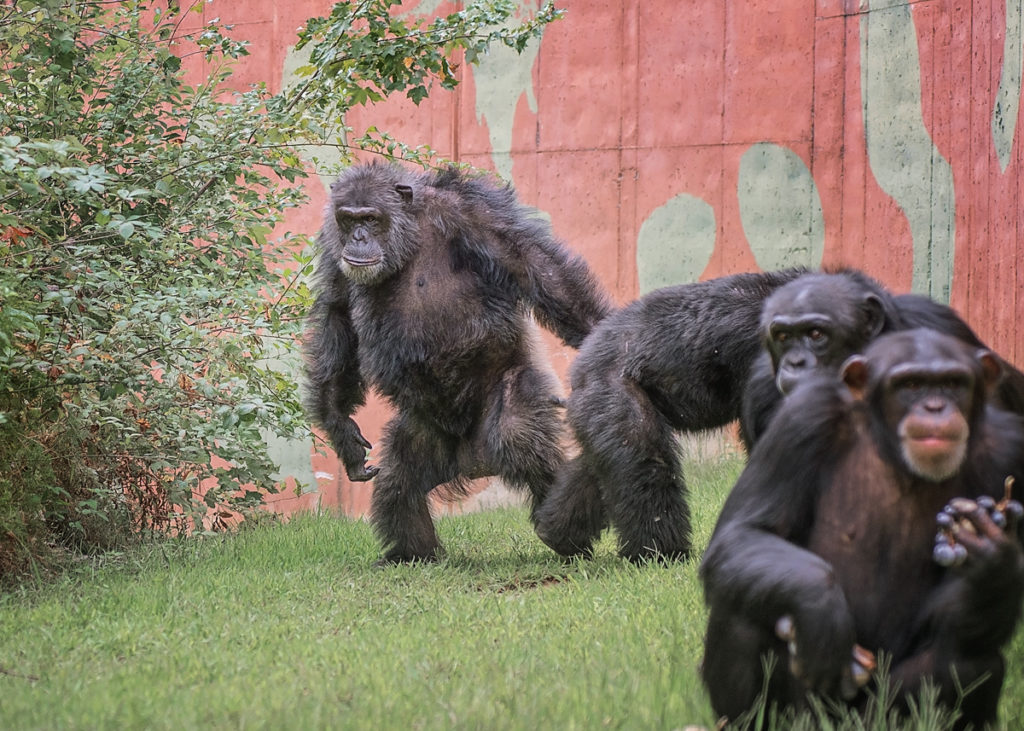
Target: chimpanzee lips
(937, 433)
(936, 445)
(356, 262)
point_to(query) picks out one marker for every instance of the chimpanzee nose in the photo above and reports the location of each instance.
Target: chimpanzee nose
(934, 404)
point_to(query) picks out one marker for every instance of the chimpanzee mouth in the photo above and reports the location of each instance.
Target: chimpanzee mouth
(934, 448)
(937, 442)
(358, 263)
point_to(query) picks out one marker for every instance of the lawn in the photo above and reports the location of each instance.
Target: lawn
(291, 626)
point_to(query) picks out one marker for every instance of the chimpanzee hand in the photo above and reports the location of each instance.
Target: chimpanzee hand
(820, 639)
(980, 536)
(351, 446)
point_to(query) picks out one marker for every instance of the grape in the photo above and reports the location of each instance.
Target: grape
(960, 553)
(944, 555)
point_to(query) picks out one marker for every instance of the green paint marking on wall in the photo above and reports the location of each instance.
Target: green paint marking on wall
(780, 208)
(1007, 106)
(326, 159)
(502, 76)
(292, 455)
(903, 158)
(675, 243)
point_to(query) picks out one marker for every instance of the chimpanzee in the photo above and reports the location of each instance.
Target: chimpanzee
(426, 284)
(674, 360)
(828, 549)
(816, 321)
(685, 358)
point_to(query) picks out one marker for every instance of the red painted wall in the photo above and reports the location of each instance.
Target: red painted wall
(864, 130)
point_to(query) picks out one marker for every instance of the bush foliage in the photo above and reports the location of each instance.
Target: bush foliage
(145, 284)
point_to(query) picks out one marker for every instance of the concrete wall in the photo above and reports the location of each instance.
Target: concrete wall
(674, 141)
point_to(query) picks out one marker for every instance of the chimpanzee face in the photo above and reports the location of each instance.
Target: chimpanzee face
(372, 225)
(799, 345)
(927, 408)
(814, 323)
(362, 231)
(922, 388)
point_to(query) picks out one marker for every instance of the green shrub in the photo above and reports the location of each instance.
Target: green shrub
(139, 318)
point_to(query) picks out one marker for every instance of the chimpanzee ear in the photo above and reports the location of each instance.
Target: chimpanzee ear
(405, 191)
(874, 316)
(991, 369)
(855, 375)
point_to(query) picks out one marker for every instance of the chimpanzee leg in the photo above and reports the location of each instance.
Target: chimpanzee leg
(414, 460)
(635, 451)
(979, 707)
(523, 432)
(735, 651)
(573, 514)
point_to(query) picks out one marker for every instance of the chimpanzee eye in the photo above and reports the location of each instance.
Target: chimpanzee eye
(816, 334)
(780, 336)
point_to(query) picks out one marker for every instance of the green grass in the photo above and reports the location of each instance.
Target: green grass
(290, 626)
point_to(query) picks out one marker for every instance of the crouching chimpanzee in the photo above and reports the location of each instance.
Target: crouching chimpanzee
(425, 286)
(675, 360)
(866, 522)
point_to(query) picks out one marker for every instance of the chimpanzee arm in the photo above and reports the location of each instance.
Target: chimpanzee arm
(973, 612)
(566, 297)
(761, 398)
(559, 285)
(755, 565)
(335, 388)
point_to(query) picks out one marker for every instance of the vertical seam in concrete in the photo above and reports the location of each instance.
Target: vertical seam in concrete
(718, 254)
(842, 135)
(457, 101)
(972, 247)
(626, 277)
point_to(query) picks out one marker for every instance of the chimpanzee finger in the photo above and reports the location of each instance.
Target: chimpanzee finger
(1014, 512)
(983, 523)
(976, 545)
(363, 473)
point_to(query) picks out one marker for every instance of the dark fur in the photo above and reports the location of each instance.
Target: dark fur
(443, 331)
(689, 358)
(826, 526)
(853, 300)
(674, 360)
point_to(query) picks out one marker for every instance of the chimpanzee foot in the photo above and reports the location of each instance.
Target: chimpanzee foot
(394, 558)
